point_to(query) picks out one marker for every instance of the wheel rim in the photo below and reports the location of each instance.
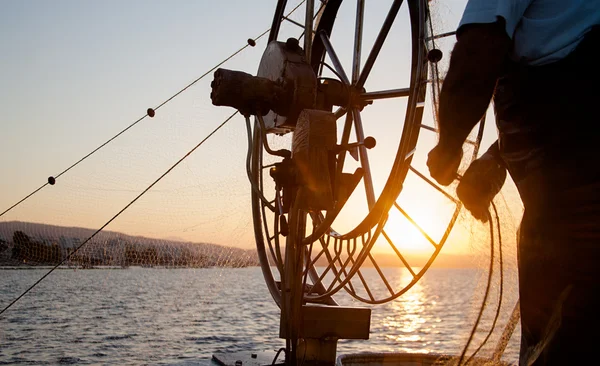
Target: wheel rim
(344, 264)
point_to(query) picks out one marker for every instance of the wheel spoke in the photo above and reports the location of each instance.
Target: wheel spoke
(345, 273)
(414, 223)
(360, 12)
(364, 283)
(314, 260)
(268, 166)
(441, 35)
(337, 65)
(342, 157)
(339, 112)
(336, 272)
(308, 27)
(381, 275)
(385, 94)
(279, 13)
(364, 158)
(398, 254)
(304, 274)
(324, 250)
(274, 239)
(381, 37)
(360, 276)
(451, 223)
(332, 263)
(420, 175)
(300, 25)
(433, 129)
(410, 154)
(343, 265)
(429, 128)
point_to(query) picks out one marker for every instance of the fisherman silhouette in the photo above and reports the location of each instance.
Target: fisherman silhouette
(537, 60)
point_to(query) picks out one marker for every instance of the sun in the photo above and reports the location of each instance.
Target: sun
(407, 238)
(417, 223)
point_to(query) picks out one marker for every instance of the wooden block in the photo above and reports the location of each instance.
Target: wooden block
(335, 321)
(314, 138)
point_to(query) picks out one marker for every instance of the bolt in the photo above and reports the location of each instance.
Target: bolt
(292, 44)
(434, 55)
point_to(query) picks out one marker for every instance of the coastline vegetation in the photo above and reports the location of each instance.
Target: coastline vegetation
(22, 251)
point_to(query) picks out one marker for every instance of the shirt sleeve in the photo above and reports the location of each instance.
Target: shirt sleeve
(489, 11)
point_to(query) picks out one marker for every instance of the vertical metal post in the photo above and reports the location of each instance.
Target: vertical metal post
(364, 159)
(292, 281)
(360, 12)
(308, 27)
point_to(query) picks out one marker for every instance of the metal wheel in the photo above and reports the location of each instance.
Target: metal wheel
(341, 252)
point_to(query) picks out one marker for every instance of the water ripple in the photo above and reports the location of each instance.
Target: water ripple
(183, 316)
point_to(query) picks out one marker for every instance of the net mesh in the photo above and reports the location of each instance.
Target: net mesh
(198, 219)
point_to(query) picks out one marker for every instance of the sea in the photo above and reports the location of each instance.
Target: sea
(160, 316)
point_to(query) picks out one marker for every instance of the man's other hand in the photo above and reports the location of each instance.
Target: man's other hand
(443, 164)
(480, 184)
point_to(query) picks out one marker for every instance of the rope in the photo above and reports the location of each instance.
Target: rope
(119, 213)
(487, 291)
(149, 113)
(500, 291)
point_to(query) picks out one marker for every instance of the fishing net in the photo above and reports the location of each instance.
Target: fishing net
(195, 224)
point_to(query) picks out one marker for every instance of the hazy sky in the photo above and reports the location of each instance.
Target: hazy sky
(74, 73)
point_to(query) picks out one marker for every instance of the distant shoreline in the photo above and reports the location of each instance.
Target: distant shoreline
(26, 267)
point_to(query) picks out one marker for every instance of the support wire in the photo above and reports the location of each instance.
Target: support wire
(120, 212)
(144, 116)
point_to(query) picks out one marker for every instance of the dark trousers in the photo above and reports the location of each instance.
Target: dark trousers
(549, 136)
(559, 277)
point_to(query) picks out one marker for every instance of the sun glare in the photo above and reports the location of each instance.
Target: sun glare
(405, 236)
(417, 224)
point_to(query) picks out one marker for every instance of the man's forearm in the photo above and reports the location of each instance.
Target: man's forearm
(476, 63)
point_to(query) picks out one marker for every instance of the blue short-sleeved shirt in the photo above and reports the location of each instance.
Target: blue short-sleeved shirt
(543, 30)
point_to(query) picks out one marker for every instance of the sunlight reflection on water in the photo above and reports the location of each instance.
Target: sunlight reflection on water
(172, 316)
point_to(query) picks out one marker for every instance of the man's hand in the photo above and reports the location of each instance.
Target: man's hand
(480, 184)
(443, 164)
(477, 60)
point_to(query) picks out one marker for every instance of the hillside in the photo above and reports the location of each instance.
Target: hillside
(26, 243)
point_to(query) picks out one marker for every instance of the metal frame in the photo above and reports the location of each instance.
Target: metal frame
(345, 253)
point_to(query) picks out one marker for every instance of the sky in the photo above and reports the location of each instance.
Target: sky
(75, 73)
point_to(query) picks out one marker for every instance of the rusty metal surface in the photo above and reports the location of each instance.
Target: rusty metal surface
(286, 61)
(246, 93)
(312, 153)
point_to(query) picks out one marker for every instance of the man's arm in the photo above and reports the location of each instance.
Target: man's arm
(476, 63)
(481, 182)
